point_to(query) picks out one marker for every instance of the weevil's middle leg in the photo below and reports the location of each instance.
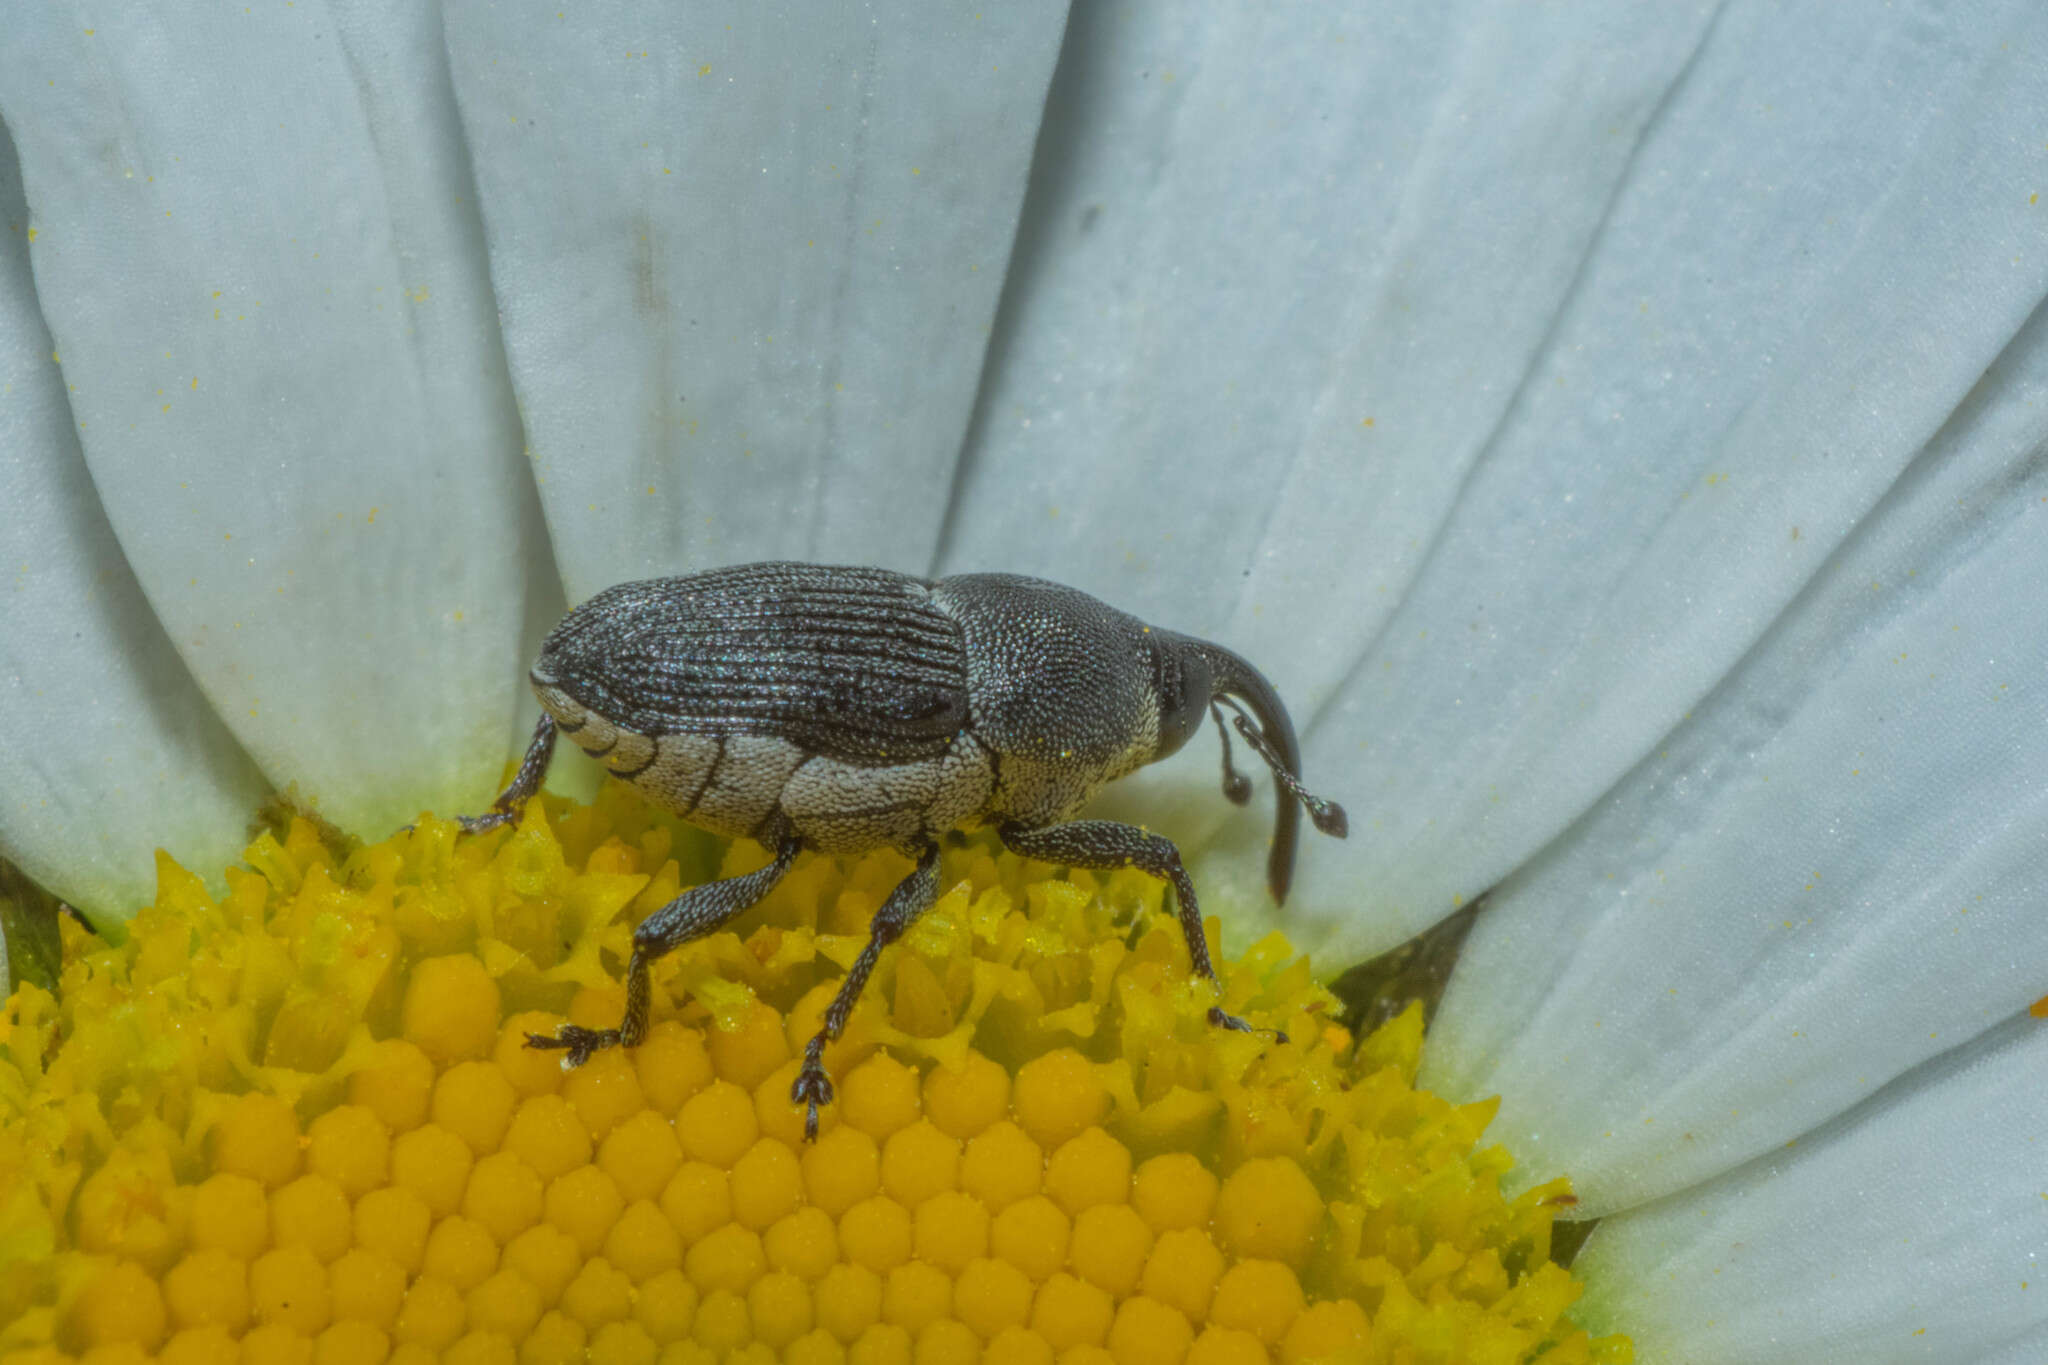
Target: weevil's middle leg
(697, 912)
(911, 898)
(1104, 846)
(532, 768)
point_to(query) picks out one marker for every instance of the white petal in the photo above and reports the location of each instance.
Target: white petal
(1820, 246)
(110, 751)
(258, 257)
(1830, 872)
(1910, 1231)
(747, 261)
(2029, 1348)
(1233, 215)
(1250, 236)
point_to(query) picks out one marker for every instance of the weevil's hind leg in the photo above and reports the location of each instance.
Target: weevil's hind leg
(697, 912)
(1104, 846)
(911, 898)
(532, 768)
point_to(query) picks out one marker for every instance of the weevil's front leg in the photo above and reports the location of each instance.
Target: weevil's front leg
(532, 768)
(912, 897)
(1104, 846)
(697, 912)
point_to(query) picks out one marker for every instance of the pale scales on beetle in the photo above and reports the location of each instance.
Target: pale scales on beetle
(847, 709)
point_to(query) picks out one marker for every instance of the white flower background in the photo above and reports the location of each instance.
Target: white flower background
(1617, 428)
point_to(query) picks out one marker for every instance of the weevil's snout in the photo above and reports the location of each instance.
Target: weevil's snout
(1198, 678)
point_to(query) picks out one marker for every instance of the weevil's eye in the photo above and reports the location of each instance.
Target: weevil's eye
(1184, 690)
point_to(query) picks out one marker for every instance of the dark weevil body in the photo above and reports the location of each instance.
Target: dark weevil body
(847, 709)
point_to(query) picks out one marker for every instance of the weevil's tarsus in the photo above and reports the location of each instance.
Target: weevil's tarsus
(581, 1043)
(1232, 1024)
(911, 898)
(1237, 788)
(532, 768)
(700, 911)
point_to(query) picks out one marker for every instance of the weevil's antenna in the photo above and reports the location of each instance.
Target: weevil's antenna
(1329, 817)
(1232, 679)
(1237, 788)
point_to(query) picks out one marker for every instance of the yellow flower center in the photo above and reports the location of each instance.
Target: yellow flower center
(301, 1123)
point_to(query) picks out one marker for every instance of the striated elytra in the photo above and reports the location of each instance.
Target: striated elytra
(848, 709)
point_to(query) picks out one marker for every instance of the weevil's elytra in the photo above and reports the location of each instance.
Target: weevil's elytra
(848, 709)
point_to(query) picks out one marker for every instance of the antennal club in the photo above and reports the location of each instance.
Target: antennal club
(1327, 816)
(1237, 788)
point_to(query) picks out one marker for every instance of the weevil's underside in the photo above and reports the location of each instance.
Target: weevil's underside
(843, 710)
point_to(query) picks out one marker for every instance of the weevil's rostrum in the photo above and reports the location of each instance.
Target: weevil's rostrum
(848, 709)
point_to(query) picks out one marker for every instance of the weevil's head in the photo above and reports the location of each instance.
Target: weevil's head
(1185, 686)
(1191, 677)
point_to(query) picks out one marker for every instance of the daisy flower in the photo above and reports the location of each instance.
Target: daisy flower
(1618, 431)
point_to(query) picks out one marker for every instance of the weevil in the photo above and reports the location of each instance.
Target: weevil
(846, 709)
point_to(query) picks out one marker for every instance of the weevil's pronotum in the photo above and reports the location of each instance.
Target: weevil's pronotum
(844, 710)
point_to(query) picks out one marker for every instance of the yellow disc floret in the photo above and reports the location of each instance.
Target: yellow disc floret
(231, 1214)
(451, 1008)
(548, 1135)
(918, 1162)
(805, 1243)
(258, 1136)
(350, 1146)
(640, 1155)
(395, 1082)
(584, 1203)
(546, 1258)
(504, 1195)
(434, 1164)
(301, 1122)
(767, 1184)
(208, 1288)
(643, 1243)
(366, 1287)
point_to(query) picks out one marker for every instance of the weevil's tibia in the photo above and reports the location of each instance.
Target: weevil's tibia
(1328, 816)
(532, 768)
(911, 898)
(697, 912)
(1104, 846)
